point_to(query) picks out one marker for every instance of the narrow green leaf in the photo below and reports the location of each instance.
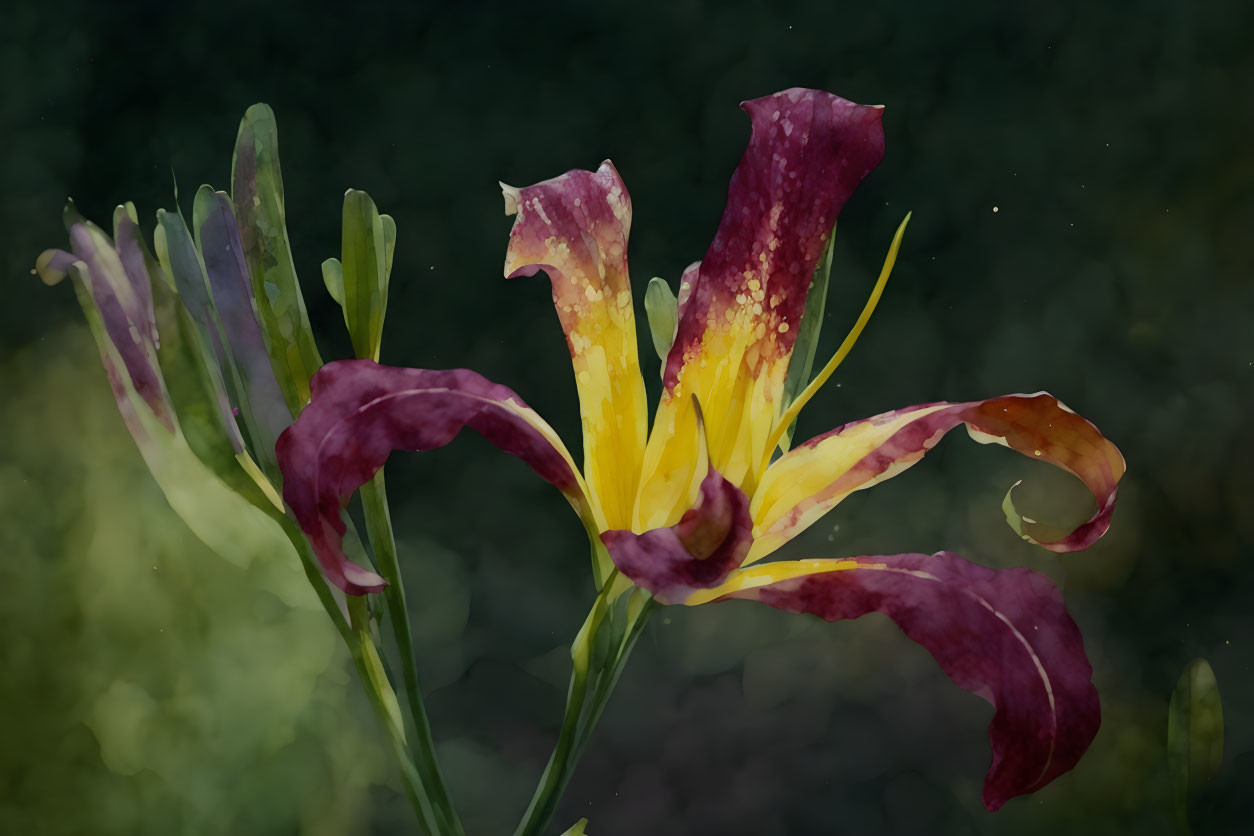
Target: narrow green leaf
(333, 278)
(257, 192)
(365, 273)
(1195, 731)
(801, 366)
(662, 310)
(578, 829)
(389, 246)
(181, 264)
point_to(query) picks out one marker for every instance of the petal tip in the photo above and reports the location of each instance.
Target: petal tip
(512, 198)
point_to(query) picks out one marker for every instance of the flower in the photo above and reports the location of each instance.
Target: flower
(687, 509)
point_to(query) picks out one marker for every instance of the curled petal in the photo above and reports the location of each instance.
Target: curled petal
(810, 480)
(575, 227)
(709, 541)
(1003, 634)
(359, 412)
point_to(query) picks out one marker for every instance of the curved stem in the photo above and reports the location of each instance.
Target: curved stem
(379, 529)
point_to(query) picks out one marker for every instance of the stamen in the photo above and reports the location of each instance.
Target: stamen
(794, 408)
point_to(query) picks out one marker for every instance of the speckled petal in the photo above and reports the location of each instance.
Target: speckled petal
(359, 412)
(1003, 634)
(575, 228)
(807, 153)
(810, 480)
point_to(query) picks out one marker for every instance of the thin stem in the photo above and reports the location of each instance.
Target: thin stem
(609, 678)
(561, 763)
(383, 698)
(577, 725)
(316, 579)
(382, 540)
(357, 642)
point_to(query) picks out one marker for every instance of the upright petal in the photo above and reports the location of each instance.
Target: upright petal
(575, 227)
(810, 480)
(1003, 634)
(807, 153)
(359, 412)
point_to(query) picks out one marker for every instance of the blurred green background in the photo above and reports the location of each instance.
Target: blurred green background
(1081, 179)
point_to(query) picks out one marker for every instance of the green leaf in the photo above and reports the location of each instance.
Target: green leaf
(366, 264)
(389, 242)
(333, 278)
(662, 310)
(1195, 731)
(257, 192)
(578, 829)
(178, 316)
(801, 366)
(214, 508)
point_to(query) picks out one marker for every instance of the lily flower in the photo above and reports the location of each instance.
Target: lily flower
(688, 508)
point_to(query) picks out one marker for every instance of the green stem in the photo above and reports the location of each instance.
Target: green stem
(316, 579)
(577, 725)
(609, 678)
(370, 670)
(382, 540)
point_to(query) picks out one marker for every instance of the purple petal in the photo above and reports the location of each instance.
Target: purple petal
(359, 412)
(126, 234)
(808, 151)
(698, 552)
(112, 292)
(219, 241)
(1002, 634)
(52, 265)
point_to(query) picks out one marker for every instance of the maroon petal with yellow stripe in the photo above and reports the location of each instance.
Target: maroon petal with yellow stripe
(708, 543)
(1003, 634)
(807, 152)
(359, 412)
(575, 228)
(810, 480)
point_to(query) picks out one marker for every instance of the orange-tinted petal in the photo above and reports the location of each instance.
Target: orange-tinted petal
(810, 480)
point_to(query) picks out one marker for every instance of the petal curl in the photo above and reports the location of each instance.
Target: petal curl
(359, 412)
(807, 153)
(811, 479)
(710, 540)
(1003, 634)
(575, 228)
